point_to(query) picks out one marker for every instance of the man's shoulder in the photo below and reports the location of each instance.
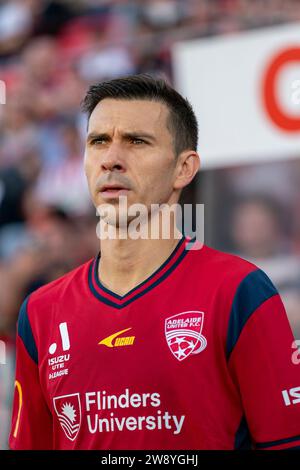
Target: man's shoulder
(241, 283)
(229, 274)
(220, 263)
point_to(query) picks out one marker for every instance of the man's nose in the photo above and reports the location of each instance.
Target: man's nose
(113, 158)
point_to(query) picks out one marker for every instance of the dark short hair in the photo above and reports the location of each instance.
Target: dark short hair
(182, 121)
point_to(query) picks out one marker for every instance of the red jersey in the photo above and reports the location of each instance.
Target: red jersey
(198, 356)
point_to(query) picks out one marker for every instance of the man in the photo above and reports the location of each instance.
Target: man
(152, 345)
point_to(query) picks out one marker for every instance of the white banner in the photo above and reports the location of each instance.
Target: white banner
(245, 90)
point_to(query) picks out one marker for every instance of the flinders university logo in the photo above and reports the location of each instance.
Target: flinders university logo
(68, 410)
(183, 334)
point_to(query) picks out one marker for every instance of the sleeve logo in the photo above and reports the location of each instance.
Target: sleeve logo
(20, 404)
(184, 334)
(291, 396)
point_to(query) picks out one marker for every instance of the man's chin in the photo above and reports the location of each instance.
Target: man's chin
(121, 222)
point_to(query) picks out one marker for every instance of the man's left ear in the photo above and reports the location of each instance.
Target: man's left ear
(188, 164)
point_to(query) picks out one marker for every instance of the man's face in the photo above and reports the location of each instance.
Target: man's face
(129, 146)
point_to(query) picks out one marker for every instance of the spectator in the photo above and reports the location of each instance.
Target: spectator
(64, 184)
(258, 235)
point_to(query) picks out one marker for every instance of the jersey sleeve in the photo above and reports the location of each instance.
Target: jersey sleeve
(31, 427)
(260, 357)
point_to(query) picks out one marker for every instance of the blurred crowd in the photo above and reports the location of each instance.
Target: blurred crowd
(50, 51)
(258, 219)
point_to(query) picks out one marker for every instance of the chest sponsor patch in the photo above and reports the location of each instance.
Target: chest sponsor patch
(68, 411)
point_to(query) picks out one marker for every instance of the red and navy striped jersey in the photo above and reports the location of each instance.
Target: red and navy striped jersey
(198, 356)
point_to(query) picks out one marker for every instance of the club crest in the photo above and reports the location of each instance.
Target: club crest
(184, 334)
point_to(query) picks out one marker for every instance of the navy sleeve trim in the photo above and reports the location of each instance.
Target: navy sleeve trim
(264, 445)
(25, 332)
(243, 437)
(252, 292)
(292, 448)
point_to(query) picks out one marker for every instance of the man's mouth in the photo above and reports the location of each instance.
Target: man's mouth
(113, 191)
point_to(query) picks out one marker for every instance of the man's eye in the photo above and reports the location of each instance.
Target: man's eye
(138, 141)
(97, 141)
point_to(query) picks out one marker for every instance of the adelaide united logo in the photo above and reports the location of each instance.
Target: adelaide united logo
(184, 334)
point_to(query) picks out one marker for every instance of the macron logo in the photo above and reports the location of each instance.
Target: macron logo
(123, 341)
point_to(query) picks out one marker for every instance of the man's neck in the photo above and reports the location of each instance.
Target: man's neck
(124, 264)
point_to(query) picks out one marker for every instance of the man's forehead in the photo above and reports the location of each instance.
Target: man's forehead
(133, 114)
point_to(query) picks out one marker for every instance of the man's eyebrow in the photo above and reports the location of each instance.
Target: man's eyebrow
(97, 135)
(126, 135)
(139, 135)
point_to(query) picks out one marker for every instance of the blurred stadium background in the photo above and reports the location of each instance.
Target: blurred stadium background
(50, 51)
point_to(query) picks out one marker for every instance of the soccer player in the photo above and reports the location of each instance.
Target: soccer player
(153, 344)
